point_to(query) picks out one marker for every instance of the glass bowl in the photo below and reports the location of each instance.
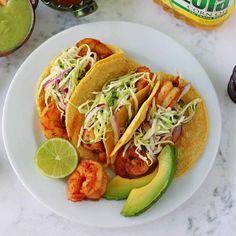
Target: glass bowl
(33, 4)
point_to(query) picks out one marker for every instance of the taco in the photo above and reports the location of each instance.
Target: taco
(60, 78)
(104, 104)
(173, 114)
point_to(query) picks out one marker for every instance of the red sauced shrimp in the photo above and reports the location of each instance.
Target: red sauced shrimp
(169, 94)
(142, 83)
(96, 46)
(87, 137)
(88, 181)
(51, 122)
(129, 164)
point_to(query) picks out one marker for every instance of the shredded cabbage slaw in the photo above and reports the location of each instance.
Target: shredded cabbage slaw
(65, 74)
(99, 113)
(158, 128)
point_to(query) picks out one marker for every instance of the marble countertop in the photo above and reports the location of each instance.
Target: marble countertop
(211, 210)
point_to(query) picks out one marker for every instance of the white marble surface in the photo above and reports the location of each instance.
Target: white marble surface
(211, 211)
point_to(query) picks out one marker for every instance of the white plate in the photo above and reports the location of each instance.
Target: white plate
(22, 134)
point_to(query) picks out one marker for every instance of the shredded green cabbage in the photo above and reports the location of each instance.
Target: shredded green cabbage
(158, 127)
(69, 68)
(114, 95)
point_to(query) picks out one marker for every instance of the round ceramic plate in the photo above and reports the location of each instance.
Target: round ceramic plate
(22, 134)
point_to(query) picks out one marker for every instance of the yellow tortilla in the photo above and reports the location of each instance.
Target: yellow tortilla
(103, 72)
(51, 121)
(194, 133)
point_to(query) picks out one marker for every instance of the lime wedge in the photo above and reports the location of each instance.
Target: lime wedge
(56, 158)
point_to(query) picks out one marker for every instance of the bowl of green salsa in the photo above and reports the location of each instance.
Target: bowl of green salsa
(17, 19)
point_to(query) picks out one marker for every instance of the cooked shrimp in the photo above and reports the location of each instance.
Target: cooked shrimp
(169, 93)
(130, 165)
(172, 97)
(96, 46)
(165, 89)
(52, 123)
(135, 165)
(88, 181)
(87, 137)
(119, 164)
(142, 83)
(102, 157)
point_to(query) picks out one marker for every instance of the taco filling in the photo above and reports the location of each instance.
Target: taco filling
(162, 125)
(101, 113)
(65, 72)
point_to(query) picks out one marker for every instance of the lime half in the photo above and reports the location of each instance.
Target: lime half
(56, 158)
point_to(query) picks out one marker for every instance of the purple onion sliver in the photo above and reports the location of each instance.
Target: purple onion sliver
(57, 84)
(185, 89)
(176, 133)
(101, 105)
(94, 111)
(57, 78)
(115, 127)
(66, 90)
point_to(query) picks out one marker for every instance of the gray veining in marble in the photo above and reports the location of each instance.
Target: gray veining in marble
(211, 210)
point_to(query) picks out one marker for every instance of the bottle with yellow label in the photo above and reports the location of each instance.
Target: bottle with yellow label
(205, 14)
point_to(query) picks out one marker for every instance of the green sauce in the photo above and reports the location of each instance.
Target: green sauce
(15, 23)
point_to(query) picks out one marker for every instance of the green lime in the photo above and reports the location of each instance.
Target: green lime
(56, 158)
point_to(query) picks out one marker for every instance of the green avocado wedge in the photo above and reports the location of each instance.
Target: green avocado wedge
(140, 199)
(119, 188)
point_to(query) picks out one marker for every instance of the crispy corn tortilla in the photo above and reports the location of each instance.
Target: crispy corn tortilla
(103, 72)
(194, 133)
(51, 123)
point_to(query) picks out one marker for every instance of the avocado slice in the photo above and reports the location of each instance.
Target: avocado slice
(119, 188)
(140, 199)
